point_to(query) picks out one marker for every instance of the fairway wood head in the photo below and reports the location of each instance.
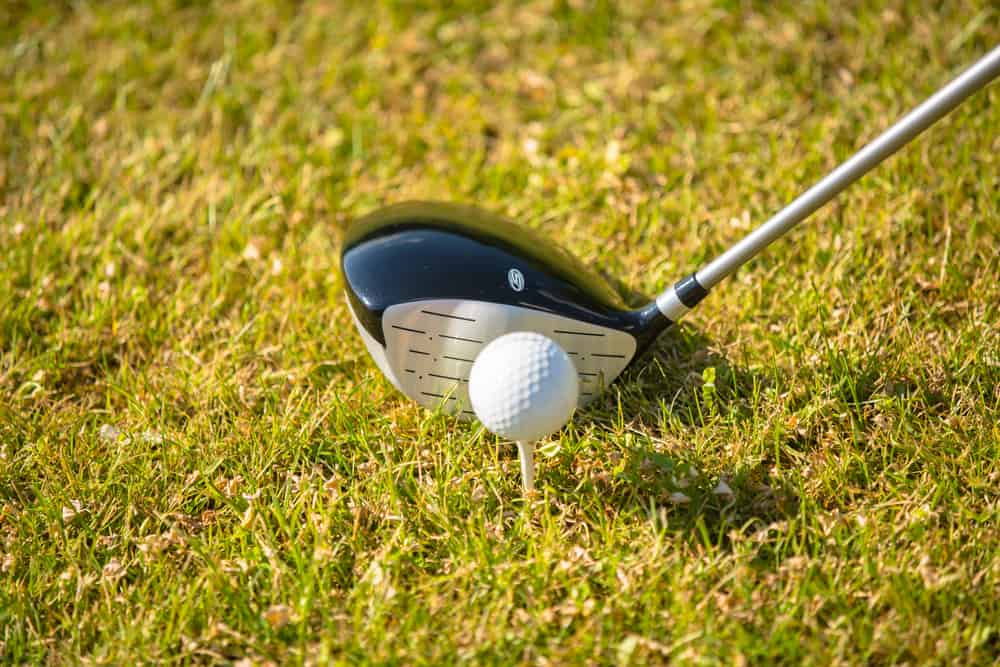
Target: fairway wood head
(429, 284)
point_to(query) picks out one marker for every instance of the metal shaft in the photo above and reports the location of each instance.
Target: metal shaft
(890, 141)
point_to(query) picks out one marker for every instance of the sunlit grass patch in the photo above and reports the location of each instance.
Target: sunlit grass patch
(198, 461)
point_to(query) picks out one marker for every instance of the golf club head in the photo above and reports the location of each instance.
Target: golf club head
(430, 284)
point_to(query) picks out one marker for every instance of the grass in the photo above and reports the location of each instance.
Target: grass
(199, 463)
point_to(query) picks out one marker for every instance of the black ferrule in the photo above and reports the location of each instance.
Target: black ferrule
(689, 291)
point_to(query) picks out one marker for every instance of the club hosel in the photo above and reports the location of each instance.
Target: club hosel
(684, 295)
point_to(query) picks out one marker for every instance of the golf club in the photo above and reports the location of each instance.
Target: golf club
(429, 284)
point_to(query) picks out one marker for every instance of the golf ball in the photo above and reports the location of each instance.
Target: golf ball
(523, 386)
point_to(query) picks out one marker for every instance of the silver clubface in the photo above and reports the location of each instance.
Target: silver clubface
(430, 347)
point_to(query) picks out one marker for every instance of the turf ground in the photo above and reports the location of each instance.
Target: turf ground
(199, 463)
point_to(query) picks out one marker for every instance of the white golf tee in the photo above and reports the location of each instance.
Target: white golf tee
(526, 452)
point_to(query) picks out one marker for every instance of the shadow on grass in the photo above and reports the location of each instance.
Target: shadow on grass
(686, 381)
(682, 377)
(684, 372)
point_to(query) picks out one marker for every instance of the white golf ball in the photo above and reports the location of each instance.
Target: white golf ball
(523, 386)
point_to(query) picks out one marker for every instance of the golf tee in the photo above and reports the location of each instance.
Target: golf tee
(526, 452)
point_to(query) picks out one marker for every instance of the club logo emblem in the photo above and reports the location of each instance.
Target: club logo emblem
(516, 280)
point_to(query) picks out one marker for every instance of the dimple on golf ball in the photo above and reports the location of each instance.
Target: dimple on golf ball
(523, 386)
